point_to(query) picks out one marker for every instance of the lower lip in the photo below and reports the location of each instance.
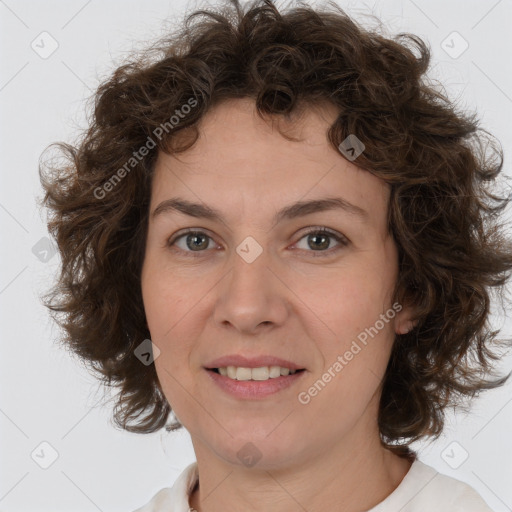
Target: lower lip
(254, 388)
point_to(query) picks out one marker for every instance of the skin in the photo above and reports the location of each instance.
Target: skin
(287, 303)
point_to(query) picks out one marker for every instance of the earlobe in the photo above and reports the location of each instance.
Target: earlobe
(405, 321)
(405, 327)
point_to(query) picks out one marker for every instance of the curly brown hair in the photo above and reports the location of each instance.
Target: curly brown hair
(443, 215)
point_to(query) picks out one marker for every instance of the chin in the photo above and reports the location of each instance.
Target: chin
(261, 448)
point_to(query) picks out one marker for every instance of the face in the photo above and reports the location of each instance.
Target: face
(304, 285)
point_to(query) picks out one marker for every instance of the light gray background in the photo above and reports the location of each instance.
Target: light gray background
(45, 394)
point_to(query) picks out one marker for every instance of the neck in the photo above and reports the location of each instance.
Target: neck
(349, 477)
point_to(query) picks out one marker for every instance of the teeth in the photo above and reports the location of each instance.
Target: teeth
(262, 373)
(243, 373)
(275, 371)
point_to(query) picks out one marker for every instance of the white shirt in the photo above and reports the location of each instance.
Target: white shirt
(422, 489)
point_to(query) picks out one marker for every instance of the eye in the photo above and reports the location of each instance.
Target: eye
(320, 238)
(194, 242)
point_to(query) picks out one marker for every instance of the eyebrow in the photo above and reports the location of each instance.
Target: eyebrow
(292, 211)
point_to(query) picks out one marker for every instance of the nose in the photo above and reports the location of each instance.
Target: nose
(252, 295)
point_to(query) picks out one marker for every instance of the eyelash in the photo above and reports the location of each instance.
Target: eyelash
(317, 230)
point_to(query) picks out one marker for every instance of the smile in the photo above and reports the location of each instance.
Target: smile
(261, 373)
(253, 383)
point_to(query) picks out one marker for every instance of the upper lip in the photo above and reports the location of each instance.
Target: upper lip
(251, 362)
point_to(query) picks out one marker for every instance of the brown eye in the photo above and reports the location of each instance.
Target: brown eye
(320, 240)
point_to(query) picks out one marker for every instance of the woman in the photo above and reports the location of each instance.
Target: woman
(277, 228)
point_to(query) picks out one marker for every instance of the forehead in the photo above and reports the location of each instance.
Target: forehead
(241, 162)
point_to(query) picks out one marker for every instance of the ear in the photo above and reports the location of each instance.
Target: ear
(405, 320)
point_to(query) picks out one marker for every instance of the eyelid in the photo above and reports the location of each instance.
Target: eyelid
(323, 229)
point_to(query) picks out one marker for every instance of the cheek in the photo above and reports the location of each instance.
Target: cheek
(175, 318)
(166, 297)
(349, 299)
(354, 366)
(355, 306)
(157, 297)
(163, 306)
(166, 313)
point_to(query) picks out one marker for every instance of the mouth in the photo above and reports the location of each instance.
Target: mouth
(261, 373)
(244, 383)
